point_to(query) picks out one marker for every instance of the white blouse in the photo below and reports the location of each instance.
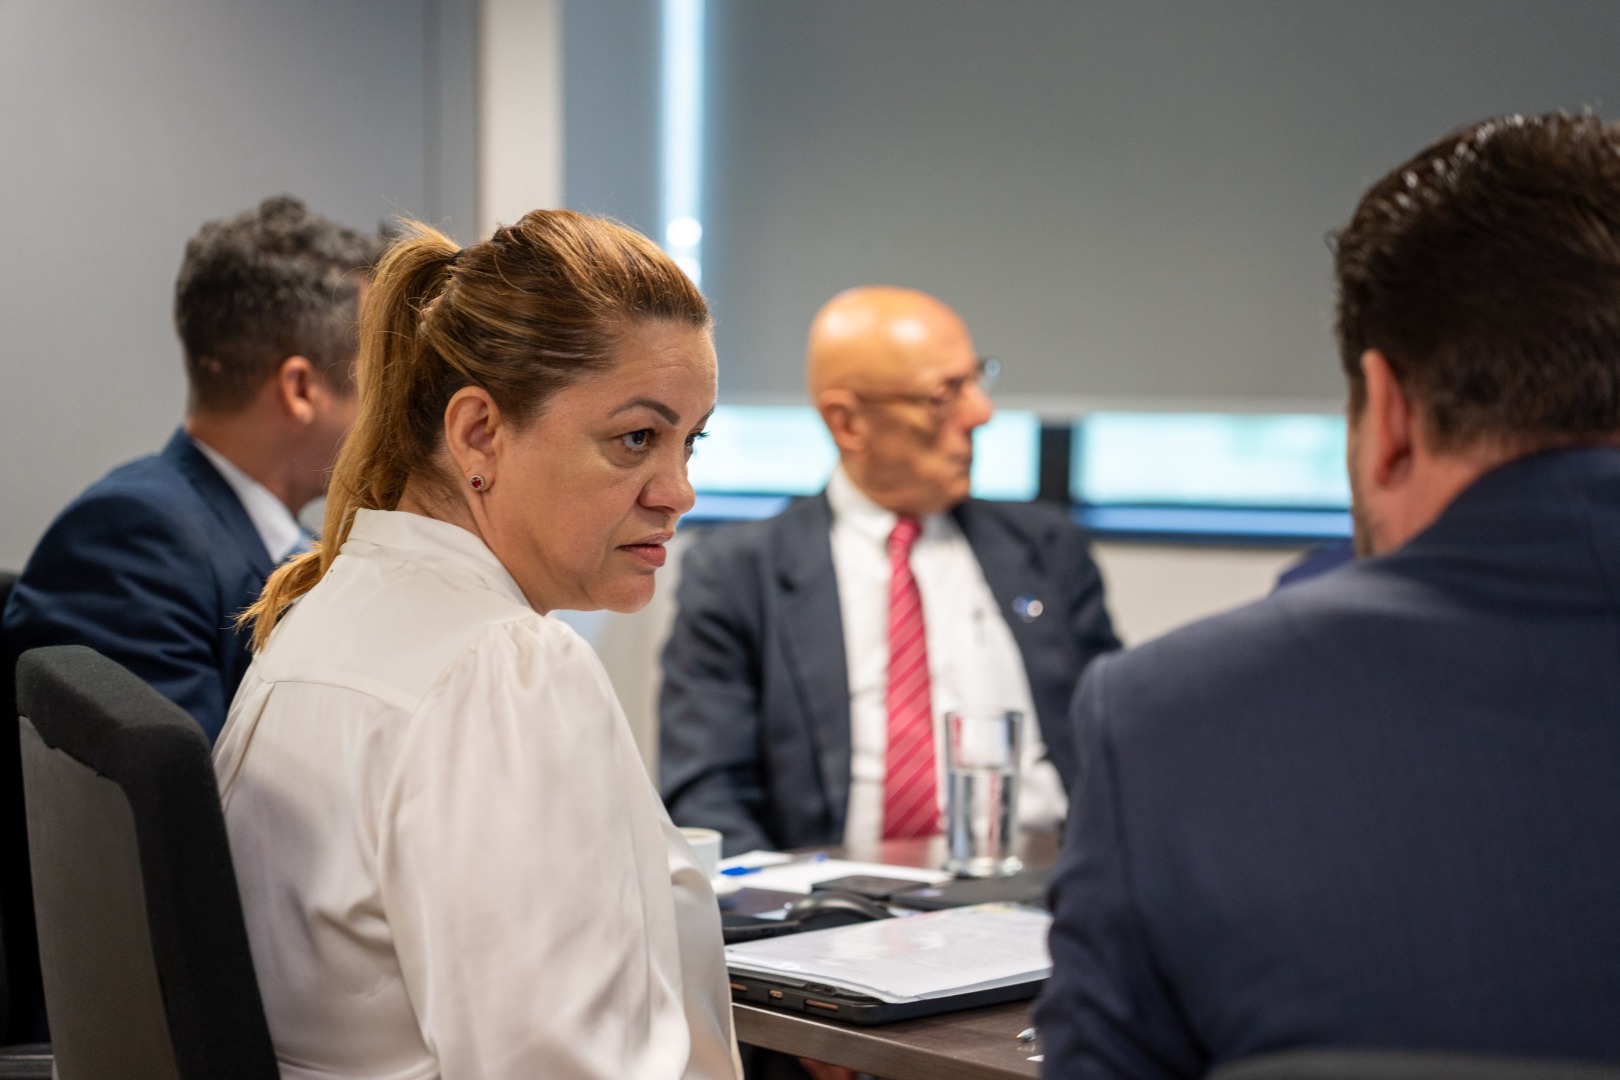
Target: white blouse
(451, 859)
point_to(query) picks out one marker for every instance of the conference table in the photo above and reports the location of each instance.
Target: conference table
(973, 1044)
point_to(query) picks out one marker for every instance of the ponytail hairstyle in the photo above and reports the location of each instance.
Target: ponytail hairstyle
(529, 311)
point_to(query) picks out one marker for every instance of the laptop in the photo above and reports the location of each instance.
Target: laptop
(898, 969)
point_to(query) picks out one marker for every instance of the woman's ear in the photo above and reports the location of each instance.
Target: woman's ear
(471, 421)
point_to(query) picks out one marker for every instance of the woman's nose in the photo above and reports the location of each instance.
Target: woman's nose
(670, 490)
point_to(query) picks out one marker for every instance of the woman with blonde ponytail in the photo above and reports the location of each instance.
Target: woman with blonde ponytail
(452, 862)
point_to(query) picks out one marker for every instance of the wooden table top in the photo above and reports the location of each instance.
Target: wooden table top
(973, 1044)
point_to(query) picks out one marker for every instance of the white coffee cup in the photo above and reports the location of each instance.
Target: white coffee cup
(705, 845)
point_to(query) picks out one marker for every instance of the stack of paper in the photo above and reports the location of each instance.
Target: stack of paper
(916, 958)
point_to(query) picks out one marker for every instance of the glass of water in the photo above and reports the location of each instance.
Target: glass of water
(983, 748)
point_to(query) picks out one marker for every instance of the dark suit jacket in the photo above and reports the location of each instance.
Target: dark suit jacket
(754, 711)
(150, 567)
(1380, 809)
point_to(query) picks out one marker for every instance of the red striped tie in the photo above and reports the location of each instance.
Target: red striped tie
(910, 801)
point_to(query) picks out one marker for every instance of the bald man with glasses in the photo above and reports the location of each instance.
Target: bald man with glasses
(815, 653)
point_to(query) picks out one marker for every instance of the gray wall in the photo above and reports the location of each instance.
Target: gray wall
(123, 126)
(610, 110)
(1127, 199)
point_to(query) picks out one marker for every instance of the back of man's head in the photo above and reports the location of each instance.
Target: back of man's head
(1487, 271)
(269, 283)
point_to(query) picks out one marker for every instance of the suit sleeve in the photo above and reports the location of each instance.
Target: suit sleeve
(135, 585)
(1107, 1011)
(709, 705)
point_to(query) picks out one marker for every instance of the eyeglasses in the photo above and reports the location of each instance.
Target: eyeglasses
(944, 402)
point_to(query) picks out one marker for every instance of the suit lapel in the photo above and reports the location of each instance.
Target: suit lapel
(183, 454)
(813, 635)
(1011, 567)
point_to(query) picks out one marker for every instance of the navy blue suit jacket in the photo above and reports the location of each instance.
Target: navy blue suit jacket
(754, 710)
(1380, 809)
(150, 567)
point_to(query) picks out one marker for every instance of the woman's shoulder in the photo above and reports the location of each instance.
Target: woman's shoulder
(396, 634)
(530, 688)
(528, 654)
(530, 637)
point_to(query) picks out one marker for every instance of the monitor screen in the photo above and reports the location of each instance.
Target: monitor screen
(1271, 461)
(785, 450)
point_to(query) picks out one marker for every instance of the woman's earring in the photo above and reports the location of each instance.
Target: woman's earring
(478, 482)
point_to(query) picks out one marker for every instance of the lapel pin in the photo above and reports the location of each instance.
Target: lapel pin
(1028, 608)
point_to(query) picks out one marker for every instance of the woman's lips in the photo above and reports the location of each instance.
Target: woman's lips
(651, 554)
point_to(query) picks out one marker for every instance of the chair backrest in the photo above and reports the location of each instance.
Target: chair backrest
(145, 956)
(1407, 1065)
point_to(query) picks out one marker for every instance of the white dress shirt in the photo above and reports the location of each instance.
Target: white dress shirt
(451, 859)
(972, 657)
(275, 524)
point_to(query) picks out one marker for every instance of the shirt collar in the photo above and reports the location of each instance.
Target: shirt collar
(854, 510)
(431, 542)
(278, 530)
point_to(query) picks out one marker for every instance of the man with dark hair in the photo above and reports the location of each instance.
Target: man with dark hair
(1379, 809)
(151, 564)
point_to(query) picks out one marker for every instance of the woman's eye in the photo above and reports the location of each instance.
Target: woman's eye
(691, 441)
(638, 440)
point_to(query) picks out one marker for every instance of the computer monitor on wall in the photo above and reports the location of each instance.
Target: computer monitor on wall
(1276, 476)
(756, 457)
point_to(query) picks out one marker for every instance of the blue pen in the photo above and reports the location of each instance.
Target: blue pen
(739, 871)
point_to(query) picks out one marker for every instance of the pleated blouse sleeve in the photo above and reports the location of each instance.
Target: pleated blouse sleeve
(523, 866)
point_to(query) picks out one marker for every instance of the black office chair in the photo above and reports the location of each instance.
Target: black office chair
(146, 961)
(1407, 1065)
